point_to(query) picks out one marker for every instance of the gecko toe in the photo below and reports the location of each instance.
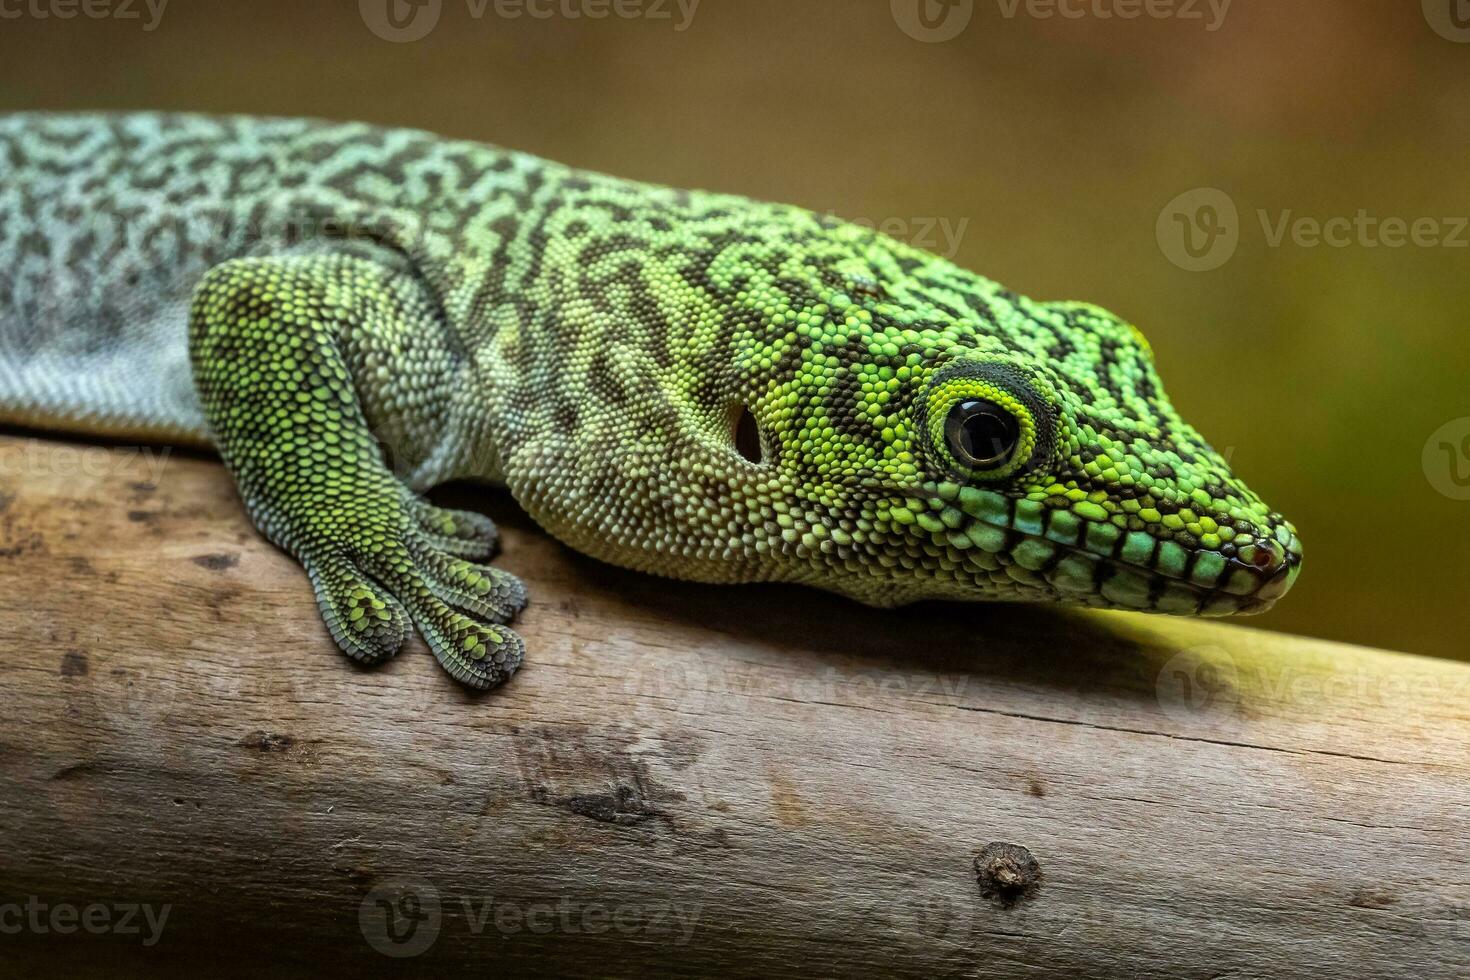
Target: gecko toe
(462, 533)
(476, 654)
(478, 589)
(366, 621)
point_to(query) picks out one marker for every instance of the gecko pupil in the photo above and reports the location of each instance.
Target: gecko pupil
(981, 434)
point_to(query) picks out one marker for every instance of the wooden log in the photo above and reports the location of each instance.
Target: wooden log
(685, 780)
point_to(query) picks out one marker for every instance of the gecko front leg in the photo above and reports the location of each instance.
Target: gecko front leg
(267, 340)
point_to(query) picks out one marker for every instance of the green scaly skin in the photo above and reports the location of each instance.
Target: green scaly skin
(303, 295)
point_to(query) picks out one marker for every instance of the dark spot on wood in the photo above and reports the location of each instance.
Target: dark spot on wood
(73, 771)
(1007, 873)
(1372, 898)
(558, 765)
(267, 742)
(222, 598)
(681, 750)
(74, 664)
(6, 499)
(787, 803)
(140, 516)
(142, 487)
(1036, 788)
(357, 874)
(33, 544)
(623, 807)
(216, 562)
(81, 566)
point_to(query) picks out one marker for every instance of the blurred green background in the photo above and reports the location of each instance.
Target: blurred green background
(1039, 151)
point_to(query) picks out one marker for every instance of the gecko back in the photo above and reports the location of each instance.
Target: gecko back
(108, 223)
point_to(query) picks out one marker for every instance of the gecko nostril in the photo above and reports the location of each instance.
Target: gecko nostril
(1265, 554)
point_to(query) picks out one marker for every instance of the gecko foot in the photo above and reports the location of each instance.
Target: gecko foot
(369, 596)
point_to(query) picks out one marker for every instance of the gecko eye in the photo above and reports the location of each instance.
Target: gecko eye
(987, 420)
(981, 434)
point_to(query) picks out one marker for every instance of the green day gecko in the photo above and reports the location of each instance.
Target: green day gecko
(685, 383)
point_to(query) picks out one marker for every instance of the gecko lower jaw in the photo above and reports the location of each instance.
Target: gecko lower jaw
(1022, 545)
(1120, 585)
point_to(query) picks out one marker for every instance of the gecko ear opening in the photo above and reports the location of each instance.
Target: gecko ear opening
(748, 436)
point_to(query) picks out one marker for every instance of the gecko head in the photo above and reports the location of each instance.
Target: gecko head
(921, 433)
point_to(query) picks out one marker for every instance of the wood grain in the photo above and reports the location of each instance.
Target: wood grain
(685, 780)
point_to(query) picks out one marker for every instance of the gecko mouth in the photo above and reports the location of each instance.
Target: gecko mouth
(1026, 546)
